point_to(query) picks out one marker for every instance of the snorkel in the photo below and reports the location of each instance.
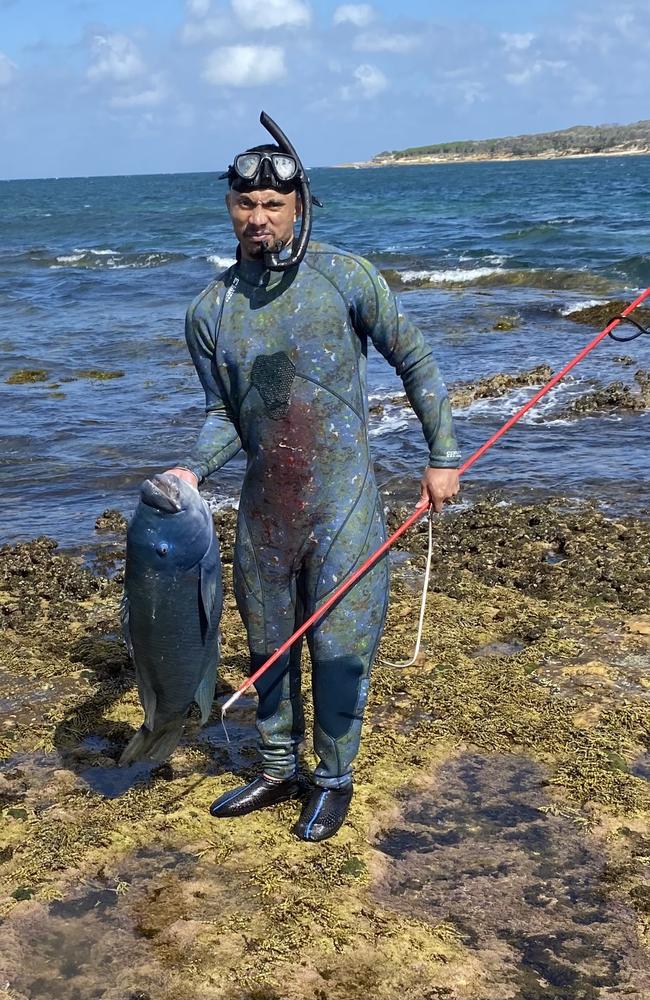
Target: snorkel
(272, 258)
(269, 168)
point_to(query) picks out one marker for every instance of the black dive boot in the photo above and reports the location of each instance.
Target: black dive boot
(323, 813)
(258, 794)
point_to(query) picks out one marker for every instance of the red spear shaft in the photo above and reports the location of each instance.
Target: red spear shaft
(420, 510)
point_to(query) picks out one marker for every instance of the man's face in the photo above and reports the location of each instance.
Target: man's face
(262, 216)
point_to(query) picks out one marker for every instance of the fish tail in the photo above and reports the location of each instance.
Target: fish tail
(156, 745)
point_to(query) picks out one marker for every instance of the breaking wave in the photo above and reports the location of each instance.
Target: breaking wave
(457, 277)
(220, 261)
(103, 259)
(577, 307)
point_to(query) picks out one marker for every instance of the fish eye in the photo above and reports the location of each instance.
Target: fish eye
(162, 549)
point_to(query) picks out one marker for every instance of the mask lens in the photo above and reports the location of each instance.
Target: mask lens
(247, 165)
(284, 166)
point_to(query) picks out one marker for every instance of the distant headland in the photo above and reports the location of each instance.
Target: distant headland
(580, 140)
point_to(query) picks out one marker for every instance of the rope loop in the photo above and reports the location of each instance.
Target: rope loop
(423, 603)
(627, 319)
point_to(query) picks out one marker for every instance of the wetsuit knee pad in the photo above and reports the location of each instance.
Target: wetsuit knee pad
(336, 685)
(269, 685)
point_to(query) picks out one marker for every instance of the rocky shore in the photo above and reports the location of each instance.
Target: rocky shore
(499, 838)
(428, 159)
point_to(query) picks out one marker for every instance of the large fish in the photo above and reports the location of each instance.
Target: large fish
(171, 611)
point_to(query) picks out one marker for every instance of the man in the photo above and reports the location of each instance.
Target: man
(279, 341)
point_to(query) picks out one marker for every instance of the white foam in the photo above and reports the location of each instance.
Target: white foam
(390, 422)
(111, 260)
(491, 258)
(97, 253)
(222, 503)
(453, 276)
(219, 261)
(70, 259)
(579, 306)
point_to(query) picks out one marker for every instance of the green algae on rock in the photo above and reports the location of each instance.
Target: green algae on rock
(600, 315)
(98, 374)
(242, 909)
(554, 550)
(25, 376)
(612, 397)
(506, 323)
(462, 394)
(111, 520)
(494, 386)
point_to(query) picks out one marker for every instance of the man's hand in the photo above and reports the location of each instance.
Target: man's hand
(438, 485)
(184, 474)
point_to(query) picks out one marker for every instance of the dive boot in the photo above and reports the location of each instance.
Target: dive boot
(323, 813)
(258, 794)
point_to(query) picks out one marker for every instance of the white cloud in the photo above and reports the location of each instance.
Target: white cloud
(267, 14)
(370, 82)
(245, 65)
(534, 69)
(358, 14)
(194, 32)
(197, 8)
(472, 92)
(514, 42)
(116, 58)
(149, 97)
(8, 70)
(384, 41)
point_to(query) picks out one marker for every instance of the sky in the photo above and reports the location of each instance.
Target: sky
(94, 87)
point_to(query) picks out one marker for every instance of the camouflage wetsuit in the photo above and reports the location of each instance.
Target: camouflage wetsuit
(282, 359)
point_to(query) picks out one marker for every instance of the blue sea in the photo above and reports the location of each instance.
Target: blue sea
(96, 274)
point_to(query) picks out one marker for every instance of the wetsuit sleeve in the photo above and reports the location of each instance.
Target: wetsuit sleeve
(218, 440)
(398, 339)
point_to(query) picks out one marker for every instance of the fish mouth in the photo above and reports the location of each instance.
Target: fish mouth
(162, 492)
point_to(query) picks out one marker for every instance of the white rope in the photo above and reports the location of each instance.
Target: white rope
(423, 604)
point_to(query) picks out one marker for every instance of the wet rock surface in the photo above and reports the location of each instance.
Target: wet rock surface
(529, 705)
(111, 520)
(552, 550)
(25, 376)
(485, 850)
(600, 315)
(617, 396)
(495, 386)
(463, 394)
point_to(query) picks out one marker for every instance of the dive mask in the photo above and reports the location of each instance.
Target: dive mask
(248, 165)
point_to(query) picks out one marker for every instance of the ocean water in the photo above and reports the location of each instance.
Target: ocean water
(96, 274)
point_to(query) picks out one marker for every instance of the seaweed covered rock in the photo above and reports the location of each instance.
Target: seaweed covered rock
(33, 572)
(225, 525)
(506, 323)
(26, 376)
(494, 386)
(615, 396)
(545, 550)
(599, 315)
(111, 520)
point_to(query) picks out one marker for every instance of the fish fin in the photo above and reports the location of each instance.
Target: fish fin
(156, 745)
(124, 620)
(211, 586)
(204, 694)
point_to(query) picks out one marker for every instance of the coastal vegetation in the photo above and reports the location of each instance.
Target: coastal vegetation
(579, 140)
